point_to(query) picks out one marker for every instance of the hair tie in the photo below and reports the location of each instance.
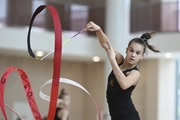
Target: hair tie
(144, 39)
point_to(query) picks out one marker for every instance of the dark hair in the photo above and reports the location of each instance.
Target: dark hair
(143, 40)
(62, 94)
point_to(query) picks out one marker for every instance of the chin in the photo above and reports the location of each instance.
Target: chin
(132, 62)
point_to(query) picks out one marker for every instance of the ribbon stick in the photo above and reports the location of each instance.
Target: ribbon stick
(27, 89)
(57, 55)
(70, 82)
(63, 44)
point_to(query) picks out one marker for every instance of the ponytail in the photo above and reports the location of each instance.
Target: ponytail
(146, 37)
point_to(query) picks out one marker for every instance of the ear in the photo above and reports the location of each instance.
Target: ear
(142, 56)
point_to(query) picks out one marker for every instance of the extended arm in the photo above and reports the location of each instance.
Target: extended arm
(103, 39)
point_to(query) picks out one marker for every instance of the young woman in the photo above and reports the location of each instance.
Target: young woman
(62, 112)
(125, 74)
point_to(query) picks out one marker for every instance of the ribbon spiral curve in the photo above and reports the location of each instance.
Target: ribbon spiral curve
(56, 73)
(27, 89)
(57, 55)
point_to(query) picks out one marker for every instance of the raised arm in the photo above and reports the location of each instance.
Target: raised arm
(103, 39)
(124, 81)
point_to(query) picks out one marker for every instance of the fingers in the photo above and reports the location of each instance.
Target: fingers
(91, 26)
(90, 23)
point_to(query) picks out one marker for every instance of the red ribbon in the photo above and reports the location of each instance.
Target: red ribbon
(27, 89)
(57, 56)
(56, 69)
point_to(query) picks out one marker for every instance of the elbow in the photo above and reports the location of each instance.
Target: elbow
(124, 87)
(123, 84)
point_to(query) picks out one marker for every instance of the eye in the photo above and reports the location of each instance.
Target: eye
(131, 50)
(138, 53)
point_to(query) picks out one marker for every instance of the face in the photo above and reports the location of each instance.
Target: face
(66, 100)
(134, 53)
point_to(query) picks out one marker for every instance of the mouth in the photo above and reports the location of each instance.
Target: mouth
(131, 59)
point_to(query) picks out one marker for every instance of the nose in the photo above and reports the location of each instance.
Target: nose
(134, 54)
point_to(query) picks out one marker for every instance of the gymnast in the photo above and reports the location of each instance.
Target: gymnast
(62, 112)
(125, 74)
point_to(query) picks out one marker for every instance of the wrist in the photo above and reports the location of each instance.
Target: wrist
(99, 29)
(112, 59)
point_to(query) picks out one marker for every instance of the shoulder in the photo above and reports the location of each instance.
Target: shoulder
(135, 74)
(134, 71)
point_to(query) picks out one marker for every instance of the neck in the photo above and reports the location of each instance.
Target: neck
(126, 65)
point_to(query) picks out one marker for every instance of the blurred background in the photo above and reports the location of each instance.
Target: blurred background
(157, 95)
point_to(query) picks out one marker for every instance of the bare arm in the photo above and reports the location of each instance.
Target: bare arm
(100, 34)
(124, 81)
(103, 39)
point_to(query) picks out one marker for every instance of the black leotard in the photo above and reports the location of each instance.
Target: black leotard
(119, 101)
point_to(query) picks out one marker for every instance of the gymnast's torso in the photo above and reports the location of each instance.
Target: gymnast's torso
(119, 100)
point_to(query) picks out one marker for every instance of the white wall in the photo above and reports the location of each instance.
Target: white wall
(166, 90)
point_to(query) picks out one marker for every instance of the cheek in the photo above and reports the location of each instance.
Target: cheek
(129, 53)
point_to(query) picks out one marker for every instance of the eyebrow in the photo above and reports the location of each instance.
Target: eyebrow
(137, 50)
